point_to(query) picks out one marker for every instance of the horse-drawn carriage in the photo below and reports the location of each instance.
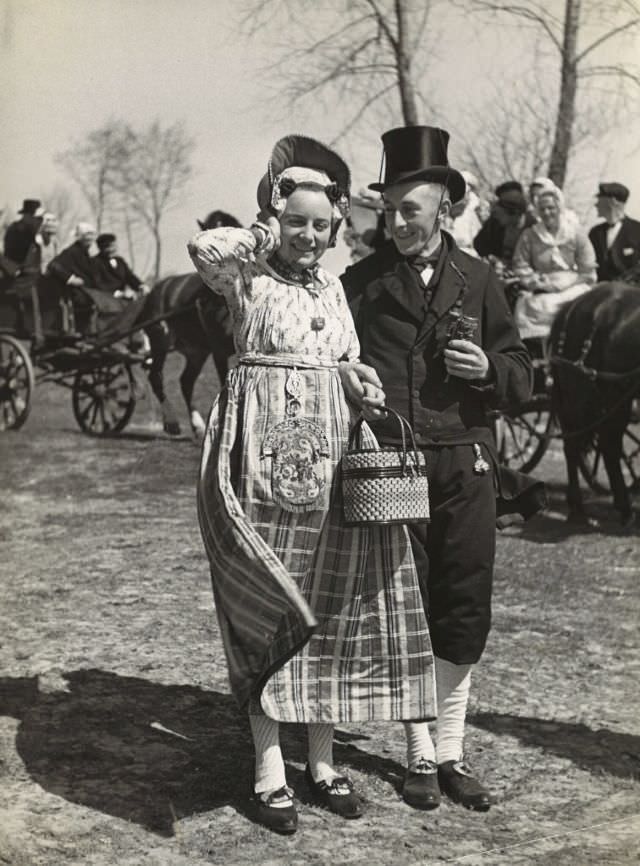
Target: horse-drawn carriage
(94, 358)
(585, 379)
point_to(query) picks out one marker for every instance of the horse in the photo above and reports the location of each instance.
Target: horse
(595, 357)
(192, 320)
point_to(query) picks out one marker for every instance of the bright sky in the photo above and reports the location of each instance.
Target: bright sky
(68, 66)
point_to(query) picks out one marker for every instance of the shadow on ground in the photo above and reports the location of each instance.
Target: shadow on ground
(596, 751)
(147, 752)
(552, 526)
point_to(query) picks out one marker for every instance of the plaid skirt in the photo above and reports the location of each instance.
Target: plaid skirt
(320, 622)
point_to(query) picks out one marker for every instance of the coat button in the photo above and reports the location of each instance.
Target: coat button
(415, 392)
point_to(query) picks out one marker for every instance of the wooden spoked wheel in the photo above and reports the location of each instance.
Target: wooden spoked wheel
(17, 381)
(523, 435)
(103, 399)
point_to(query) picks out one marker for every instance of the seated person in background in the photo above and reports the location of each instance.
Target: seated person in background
(47, 240)
(497, 238)
(112, 274)
(616, 240)
(464, 222)
(555, 262)
(72, 267)
(20, 235)
(536, 187)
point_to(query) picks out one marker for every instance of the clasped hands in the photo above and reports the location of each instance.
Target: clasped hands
(363, 388)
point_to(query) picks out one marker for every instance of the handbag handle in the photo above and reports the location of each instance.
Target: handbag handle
(404, 425)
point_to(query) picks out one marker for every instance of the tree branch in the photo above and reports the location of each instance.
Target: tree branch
(633, 23)
(522, 12)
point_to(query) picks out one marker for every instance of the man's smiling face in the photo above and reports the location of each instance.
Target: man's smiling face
(411, 214)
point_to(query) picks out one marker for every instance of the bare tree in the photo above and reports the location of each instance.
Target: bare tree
(95, 163)
(131, 177)
(359, 52)
(154, 174)
(577, 31)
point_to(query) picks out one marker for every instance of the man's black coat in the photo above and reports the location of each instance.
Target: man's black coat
(404, 342)
(73, 260)
(625, 250)
(112, 274)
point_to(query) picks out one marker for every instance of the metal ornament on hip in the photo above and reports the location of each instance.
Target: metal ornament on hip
(293, 393)
(480, 467)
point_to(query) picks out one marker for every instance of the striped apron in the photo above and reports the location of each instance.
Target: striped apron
(320, 622)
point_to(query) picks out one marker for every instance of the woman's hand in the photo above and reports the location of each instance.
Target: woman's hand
(272, 223)
(465, 360)
(363, 388)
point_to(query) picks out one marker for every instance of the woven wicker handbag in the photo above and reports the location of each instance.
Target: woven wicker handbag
(384, 486)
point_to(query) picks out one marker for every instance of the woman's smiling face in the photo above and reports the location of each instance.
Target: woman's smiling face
(305, 227)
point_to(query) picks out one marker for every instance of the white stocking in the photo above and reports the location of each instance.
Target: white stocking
(452, 688)
(270, 773)
(321, 752)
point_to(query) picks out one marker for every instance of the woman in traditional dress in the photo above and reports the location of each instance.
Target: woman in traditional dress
(555, 262)
(321, 623)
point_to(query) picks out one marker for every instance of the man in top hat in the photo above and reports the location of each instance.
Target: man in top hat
(112, 274)
(616, 240)
(20, 235)
(409, 299)
(498, 236)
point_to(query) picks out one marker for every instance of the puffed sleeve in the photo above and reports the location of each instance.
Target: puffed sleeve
(225, 258)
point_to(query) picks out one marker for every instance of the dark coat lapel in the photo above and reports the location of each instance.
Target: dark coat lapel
(451, 283)
(599, 240)
(403, 284)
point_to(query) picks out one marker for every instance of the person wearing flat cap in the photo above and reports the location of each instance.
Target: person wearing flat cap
(434, 324)
(497, 238)
(321, 623)
(616, 240)
(111, 272)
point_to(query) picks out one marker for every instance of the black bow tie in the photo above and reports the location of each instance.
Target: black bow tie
(421, 262)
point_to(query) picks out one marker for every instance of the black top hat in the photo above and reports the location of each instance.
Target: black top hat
(614, 190)
(30, 206)
(305, 152)
(419, 153)
(105, 240)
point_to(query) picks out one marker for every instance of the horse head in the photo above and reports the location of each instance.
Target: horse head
(217, 219)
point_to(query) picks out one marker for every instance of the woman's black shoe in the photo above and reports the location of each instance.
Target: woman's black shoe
(457, 782)
(276, 810)
(337, 795)
(421, 789)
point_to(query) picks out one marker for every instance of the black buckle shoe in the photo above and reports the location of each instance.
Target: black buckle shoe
(338, 795)
(276, 811)
(421, 789)
(457, 782)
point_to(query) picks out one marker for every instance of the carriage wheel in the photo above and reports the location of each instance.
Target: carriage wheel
(522, 437)
(17, 382)
(592, 469)
(103, 399)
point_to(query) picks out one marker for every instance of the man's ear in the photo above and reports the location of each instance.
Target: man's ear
(444, 210)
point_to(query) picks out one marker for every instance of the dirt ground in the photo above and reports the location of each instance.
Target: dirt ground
(121, 745)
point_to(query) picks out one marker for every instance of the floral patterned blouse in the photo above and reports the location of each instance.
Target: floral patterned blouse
(270, 314)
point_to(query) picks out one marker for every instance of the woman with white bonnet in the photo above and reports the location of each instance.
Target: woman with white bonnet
(554, 260)
(321, 623)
